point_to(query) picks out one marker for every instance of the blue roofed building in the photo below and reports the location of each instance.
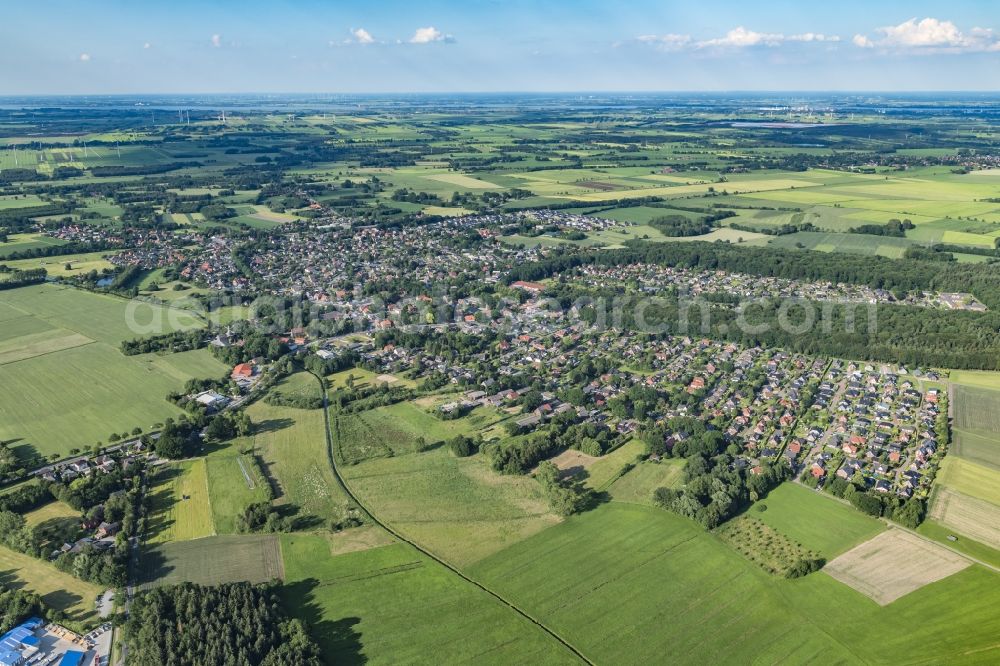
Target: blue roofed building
(72, 658)
(20, 643)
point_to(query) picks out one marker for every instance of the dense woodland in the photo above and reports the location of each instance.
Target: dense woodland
(238, 624)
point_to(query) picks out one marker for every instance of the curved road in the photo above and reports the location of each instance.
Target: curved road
(418, 547)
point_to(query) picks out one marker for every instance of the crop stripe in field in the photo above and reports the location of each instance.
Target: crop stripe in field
(350, 493)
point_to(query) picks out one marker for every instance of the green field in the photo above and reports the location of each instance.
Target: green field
(66, 385)
(59, 590)
(394, 430)
(392, 605)
(638, 484)
(213, 560)
(977, 420)
(606, 469)
(638, 581)
(228, 490)
(179, 504)
(458, 508)
(815, 520)
(291, 443)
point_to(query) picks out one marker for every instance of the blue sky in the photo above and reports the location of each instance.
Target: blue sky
(87, 46)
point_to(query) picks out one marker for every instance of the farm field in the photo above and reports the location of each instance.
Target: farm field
(894, 564)
(977, 420)
(392, 605)
(969, 478)
(57, 266)
(932, 529)
(59, 590)
(605, 469)
(228, 491)
(24, 242)
(291, 443)
(967, 515)
(637, 485)
(73, 397)
(179, 503)
(213, 560)
(458, 508)
(815, 520)
(53, 511)
(612, 557)
(393, 430)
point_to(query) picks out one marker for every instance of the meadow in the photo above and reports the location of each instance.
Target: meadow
(815, 520)
(179, 503)
(637, 485)
(977, 419)
(228, 490)
(291, 444)
(395, 429)
(589, 578)
(66, 385)
(59, 590)
(392, 605)
(213, 560)
(458, 508)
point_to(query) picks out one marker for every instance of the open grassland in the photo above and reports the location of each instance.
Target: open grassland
(228, 489)
(638, 581)
(977, 419)
(291, 443)
(214, 560)
(815, 520)
(971, 516)
(970, 479)
(637, 485)
(392, 605)
(395, 429)
(74, 397)
(179, 504)
(66, 265)
(608, 467)
(458, 508)
(976, 378)
(894, 564)
(932, 529)
(24, 242)
(53, 511)
(59, 590)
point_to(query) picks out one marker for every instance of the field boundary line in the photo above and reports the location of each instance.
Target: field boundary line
(350, 493)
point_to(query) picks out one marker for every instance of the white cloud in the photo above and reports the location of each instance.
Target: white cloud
(931, 35)
(362, 36)
(147, 45)
(737, 38)
(429, 35)
(84, 57)
(216, 41)
(668, 42)
(741, 37)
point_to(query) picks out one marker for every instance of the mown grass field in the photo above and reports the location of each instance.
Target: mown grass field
(815, 520)
(977, 419)
(458, 508)
(66, 385)
(179, 503)
(638, 581)
(393, 430)
(59, 590)
(228, 490)
(214, 560)
(606, 469)
(637, 485)
(392, 605)
(292, 445)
